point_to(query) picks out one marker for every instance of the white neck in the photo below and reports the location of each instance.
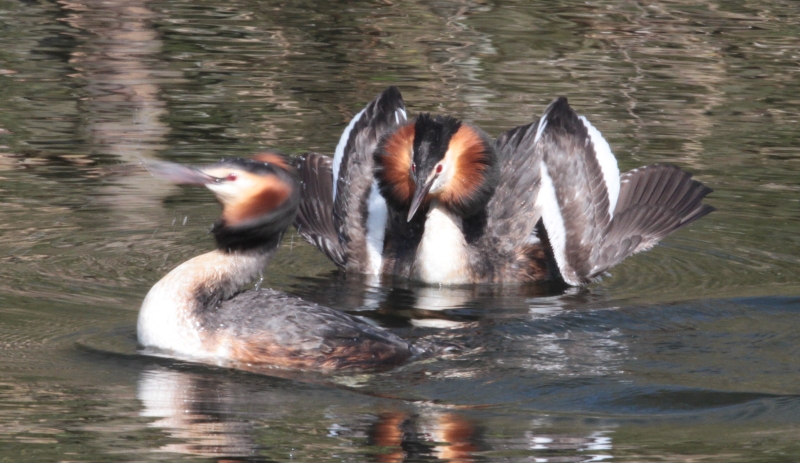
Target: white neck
(442, 253)
(170, 317)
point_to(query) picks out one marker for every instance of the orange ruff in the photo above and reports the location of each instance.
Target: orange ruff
(397, 163)
(272, 158)
(268, 195)
(467, 151)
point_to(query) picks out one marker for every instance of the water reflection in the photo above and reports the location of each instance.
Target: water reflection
(121, 75)
(192, 409)
(211, 416)
(221, 417)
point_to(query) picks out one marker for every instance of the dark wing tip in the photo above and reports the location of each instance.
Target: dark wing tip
(385, 104)
(392, 93)
(560, 115)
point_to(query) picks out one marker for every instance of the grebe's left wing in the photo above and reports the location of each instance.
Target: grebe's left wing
(654, 201)
(314, 220)
(594, 217)
(359, 210)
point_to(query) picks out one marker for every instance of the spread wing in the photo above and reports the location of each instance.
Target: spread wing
(579, 189)
(512, 214)
(654, 201)
(593, 217)
(359, 211)
(314, 219)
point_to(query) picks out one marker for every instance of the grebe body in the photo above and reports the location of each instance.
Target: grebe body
(434, 199)
(545, 201)
(199, 312)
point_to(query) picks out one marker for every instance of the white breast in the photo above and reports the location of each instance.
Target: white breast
(442, 252)
(168, 319)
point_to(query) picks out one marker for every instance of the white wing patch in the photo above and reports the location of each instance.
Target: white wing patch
(608, 164)
(376, 229)
(339, 153)
(400, 116)
(540, 129)
(547, 203)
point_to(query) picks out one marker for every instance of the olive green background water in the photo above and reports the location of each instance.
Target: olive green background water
(689, 352)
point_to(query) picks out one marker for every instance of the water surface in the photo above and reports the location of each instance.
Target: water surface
(684, 353)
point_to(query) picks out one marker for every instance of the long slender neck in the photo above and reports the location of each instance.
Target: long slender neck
(174, 313)
(218, 275)
(442, 254)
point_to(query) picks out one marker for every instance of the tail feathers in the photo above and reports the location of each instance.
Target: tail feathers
(314, 219)
(654, 201)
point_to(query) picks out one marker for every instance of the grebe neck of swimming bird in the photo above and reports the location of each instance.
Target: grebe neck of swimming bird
(176, 311)
(437, 157)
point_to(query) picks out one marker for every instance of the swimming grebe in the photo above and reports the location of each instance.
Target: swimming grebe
(199, 312)
(341, 211)
(560, 208)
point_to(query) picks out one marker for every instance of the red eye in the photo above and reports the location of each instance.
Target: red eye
(439, 169)
(414, 168)
(230, 177)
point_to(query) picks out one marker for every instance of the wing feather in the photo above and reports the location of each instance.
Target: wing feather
(594, 217)
(359, 212)
(314, 220)
(581, 171)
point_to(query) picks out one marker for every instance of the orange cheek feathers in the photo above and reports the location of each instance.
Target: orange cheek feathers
(397, 163)
(469, 154)
(270, 194)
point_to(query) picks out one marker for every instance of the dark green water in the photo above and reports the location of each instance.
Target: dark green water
(689, 352)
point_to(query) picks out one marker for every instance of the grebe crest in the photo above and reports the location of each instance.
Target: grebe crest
(437, 158)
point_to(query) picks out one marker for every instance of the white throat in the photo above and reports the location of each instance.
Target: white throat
(442, 252)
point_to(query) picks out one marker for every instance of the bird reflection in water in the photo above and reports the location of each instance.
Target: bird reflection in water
(212, 416)
(444, 435)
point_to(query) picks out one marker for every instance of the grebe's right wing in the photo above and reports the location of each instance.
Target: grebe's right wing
(270, 327)
(314, 220)
(512, 214)
(359, 211)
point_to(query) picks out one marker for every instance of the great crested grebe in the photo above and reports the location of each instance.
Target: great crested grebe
(199, 312)
(545, 201)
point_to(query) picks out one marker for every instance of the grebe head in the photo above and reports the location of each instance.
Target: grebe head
(259, 197)
(437, 157)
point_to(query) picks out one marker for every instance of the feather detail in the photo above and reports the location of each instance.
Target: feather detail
(269, 193)
(475, 173)
(393, 167)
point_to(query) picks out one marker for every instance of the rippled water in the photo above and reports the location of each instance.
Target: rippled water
(686, 353)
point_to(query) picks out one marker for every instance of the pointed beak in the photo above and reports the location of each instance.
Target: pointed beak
(179, 174)
(419, 196)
